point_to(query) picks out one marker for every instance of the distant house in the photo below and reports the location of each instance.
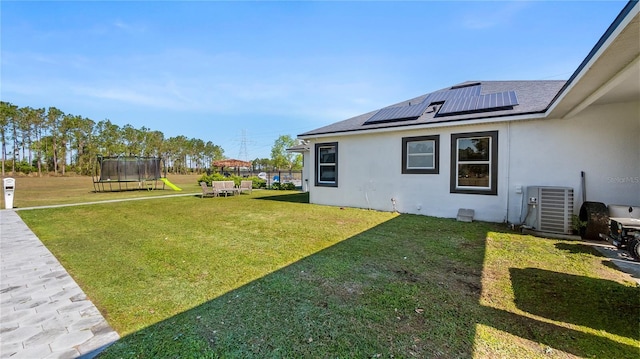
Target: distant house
(482, 145)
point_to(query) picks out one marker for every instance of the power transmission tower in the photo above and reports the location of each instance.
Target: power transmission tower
(243, 155)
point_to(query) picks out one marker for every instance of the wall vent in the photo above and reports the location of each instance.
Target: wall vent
(550, 209)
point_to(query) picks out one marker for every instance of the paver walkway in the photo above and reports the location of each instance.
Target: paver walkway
(43, 311)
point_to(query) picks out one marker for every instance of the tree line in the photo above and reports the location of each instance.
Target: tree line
(51, 141)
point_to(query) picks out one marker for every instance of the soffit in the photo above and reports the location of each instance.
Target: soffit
(621, 52)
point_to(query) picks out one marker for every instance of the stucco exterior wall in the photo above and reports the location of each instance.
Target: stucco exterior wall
(603, 141)
(370, 176)
(306, 171)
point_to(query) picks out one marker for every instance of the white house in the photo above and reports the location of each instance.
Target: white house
(483, 145)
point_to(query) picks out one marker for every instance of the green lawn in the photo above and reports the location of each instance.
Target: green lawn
(268, 275)
(41, 191)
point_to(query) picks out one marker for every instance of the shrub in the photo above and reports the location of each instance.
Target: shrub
(283, 186)
(212, 177)
(24, 167)
(236, 179)
(288, 186)
(257, 182)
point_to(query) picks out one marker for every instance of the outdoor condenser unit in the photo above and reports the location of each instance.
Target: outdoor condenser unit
(549, 209)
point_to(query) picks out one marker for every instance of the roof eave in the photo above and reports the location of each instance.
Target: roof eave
(624, 18)
(457, 123)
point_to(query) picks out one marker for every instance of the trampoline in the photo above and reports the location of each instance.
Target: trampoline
(125, 173)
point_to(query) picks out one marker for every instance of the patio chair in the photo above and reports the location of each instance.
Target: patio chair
(230, 187)
(223, 187)
(246, 186)
(218, 186)
(207, 191)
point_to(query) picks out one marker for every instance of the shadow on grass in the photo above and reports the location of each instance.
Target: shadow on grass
(578, 300)
(577, 248)
(394, 290)
(302, 197)
(557, 337)
(618, 259)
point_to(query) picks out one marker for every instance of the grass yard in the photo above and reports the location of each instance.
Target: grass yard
(36, 191)
(268, 275)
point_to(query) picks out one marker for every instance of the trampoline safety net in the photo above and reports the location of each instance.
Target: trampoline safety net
(130, 169)
(127, 169)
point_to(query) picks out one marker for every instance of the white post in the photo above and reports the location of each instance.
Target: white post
(8, 186)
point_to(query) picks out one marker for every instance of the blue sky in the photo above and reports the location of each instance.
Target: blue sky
(248, 72)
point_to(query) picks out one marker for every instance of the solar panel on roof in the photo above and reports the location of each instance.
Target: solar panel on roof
(468, 84)
(466, 91)
(498, 100)
(457, 100)
(454, 93)
(492, 101)
(398, 113)
(437, 96)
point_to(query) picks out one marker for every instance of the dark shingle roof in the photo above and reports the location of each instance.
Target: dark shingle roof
(532, 97)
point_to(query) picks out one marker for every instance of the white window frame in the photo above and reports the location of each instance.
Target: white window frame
(434, 169)
(491, 162)
(320, 164)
